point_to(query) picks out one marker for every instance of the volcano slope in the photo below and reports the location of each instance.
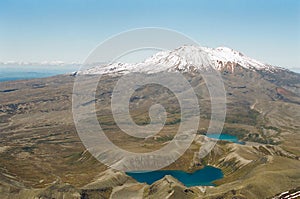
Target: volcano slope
(41, 155)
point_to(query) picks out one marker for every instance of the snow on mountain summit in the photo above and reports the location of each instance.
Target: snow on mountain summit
(186, 58)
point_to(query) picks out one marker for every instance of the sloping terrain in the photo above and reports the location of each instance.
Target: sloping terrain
(41, 155)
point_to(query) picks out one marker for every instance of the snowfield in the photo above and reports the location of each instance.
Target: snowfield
(185, 59)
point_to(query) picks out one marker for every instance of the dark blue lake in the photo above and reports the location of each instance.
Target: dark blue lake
(24, 75)
(11, 73)
(202, 177)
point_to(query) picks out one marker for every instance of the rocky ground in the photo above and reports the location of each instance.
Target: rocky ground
(41, 155)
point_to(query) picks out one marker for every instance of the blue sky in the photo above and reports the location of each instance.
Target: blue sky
(67, 30)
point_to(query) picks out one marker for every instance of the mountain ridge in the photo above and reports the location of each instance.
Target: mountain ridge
(187, 58)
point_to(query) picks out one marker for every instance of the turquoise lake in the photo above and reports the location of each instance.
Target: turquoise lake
(202, 177)
(226, 137)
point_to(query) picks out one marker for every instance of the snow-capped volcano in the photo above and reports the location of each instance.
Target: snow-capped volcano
(186, 58)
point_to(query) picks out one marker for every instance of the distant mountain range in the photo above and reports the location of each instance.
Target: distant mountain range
(44, 63)
(220, 58)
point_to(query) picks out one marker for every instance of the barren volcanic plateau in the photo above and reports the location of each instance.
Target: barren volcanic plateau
(42, 156)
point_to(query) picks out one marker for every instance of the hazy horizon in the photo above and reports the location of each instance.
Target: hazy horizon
(38, 31)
